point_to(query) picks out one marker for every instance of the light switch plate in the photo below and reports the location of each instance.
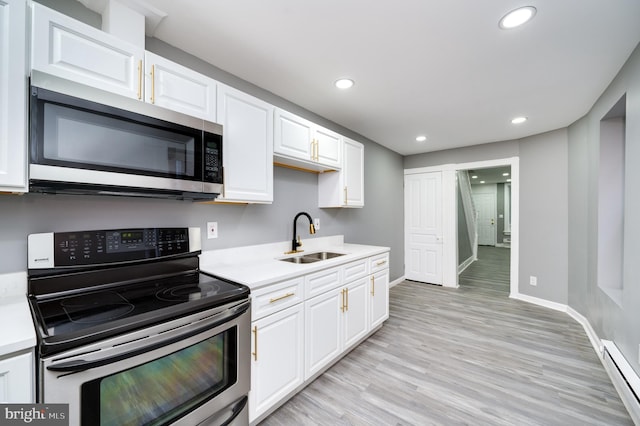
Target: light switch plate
(212, 230)
(316, 223)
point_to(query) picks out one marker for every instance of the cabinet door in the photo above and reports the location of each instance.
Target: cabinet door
(379, 298)
(277, 365)
(16, 378)
(293, 136)
(329, 148)
(75, 51)
(344, 188)
(178, 88)
(353, 173)
(247, 123)
(354, 316)
(13, 107)
(323, 334)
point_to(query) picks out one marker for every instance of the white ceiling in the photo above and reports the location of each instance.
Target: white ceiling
(442, 68)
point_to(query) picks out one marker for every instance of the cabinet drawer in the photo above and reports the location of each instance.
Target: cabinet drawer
(354, 270)
(322, 281)
(379, 262)
(276, 297)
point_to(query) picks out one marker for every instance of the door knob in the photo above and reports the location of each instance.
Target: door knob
(493, 222)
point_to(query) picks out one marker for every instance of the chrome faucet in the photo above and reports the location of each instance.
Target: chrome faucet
(295, 242)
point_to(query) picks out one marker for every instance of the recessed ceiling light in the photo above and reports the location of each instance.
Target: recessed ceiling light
(482, 181)
(517, 17)
(508, 180)
(421, 138)
(505, 174)
(344, 83)
(519, 120)
(474, 177)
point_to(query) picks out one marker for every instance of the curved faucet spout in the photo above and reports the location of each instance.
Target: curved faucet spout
(295, 242)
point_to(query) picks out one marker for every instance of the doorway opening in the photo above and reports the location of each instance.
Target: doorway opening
(484, 228)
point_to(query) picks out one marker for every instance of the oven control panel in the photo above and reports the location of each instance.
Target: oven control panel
(108, 246)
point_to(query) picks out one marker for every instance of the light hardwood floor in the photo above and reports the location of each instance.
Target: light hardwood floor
(466, 356)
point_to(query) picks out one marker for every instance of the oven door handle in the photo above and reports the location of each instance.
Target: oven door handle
(212, 322)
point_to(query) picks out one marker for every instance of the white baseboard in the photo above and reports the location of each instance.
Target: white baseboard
(591, 333)
(541, 302)
(464, 265)
(396, 282)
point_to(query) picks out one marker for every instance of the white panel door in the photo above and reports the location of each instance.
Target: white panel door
(423, 227)
(486, 206)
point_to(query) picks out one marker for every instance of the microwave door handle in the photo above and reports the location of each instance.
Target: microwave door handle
(82, 364)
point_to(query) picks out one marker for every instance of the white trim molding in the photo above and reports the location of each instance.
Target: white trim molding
(591, 333)
(396, 282)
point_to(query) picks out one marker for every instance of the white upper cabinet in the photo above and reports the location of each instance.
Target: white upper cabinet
(67, 48)
(344, 188)
(13, 92)
(247, 123)
(300, 143)
(178, 88)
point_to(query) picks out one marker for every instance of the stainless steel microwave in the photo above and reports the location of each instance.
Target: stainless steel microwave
(87, 141)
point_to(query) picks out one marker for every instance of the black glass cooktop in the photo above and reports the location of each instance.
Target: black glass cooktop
(94, 314)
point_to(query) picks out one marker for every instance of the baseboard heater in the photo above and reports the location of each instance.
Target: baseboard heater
(624, 378)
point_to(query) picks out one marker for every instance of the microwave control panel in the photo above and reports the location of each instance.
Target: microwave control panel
(212, 158)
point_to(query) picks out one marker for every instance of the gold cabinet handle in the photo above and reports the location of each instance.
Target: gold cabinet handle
(153, 84)
(342, 295)
(345, 195)
(347, 292)
(255, 343)
(140, 80)
(275, 299)
(373, 285)
(313, 149)
(380, 263)
(317, 150)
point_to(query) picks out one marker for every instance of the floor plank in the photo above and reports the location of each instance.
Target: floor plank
(467, 356)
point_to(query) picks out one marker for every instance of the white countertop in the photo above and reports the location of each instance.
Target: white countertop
(17, 332)
(258, 266)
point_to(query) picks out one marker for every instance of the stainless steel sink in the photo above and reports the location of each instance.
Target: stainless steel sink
(312, 257)
(299, 259)
(323, 255)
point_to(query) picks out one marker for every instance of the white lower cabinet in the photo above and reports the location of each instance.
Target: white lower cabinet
(303, 325)
(323, 331)
(277, 358)
(379, 298)
(16, 379)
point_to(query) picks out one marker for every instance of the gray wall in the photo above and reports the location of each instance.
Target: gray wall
(543, 206)
(380, 222)
(618, 323)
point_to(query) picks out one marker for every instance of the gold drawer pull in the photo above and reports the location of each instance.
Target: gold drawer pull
(373, 286)
(342, 308)
(380, 263)
(153, 84)
(255, 343)
(275, 299)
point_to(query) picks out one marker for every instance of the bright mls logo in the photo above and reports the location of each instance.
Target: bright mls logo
(37, 414)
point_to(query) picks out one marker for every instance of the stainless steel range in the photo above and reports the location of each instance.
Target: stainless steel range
(132, 333)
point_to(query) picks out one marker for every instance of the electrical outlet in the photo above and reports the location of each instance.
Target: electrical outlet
(316, 223)
(212, 230)
(533, 280)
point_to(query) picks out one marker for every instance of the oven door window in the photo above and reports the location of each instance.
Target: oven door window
(165, 389)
